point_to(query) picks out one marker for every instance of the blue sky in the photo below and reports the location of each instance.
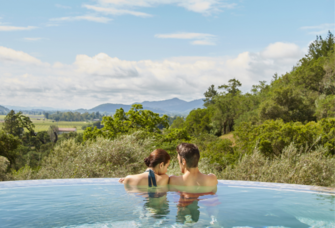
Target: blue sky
(79, 54)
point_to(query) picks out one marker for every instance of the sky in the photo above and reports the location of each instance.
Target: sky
(83, 53)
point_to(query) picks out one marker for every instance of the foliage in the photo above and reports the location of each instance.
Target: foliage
(220, 153)
(274, 135)
(293, 166)
(16, 122)
(4, 165)
(127, 122)
(73, 116)
(328, 134)
(288, 105)
(93, 125)
(78, 137)
(178, 122)
(101, 158)
(325, 106)
(209, 95)
(8, 144)
(176, 134)
(198, 121)
(53, 129)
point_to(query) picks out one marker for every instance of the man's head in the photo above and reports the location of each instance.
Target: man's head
(189, 154)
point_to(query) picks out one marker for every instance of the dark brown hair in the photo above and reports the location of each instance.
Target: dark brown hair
(190, 153)
(156, 157)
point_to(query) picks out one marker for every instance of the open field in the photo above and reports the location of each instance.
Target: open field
(43, 125)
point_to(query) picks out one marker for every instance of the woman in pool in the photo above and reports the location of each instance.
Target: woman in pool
(155, 175)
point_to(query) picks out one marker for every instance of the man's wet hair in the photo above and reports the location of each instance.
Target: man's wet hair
(190, 153)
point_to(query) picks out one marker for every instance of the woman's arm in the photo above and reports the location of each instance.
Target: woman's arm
(121, 180)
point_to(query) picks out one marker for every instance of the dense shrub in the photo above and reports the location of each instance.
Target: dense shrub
(4, 164)
(273, 135)
(292, 166)
(102, 158)
(220, 153)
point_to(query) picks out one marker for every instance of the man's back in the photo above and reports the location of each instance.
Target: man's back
(194, 179)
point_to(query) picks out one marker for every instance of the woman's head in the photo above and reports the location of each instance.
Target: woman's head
(159, 160)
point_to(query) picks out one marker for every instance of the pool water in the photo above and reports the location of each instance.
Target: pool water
(105, 203)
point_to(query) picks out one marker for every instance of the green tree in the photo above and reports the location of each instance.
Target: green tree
(227, 107)
(15, 123)
(8, 145)
(46, 115)
(198, 121)
(209, 94)
(325, 106)
(232, 86)
(287, 104)
(127, 122)
(320, 47)
(178, 122)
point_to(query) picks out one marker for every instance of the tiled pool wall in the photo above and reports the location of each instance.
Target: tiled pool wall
(114, 181)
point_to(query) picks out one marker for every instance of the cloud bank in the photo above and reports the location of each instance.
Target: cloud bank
(93, 80)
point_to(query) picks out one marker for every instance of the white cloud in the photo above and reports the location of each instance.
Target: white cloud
(282, 50)
(320, 29)
(201, 38)
(93, 80)
(199, 6)
(7, 54)
(80, 18)
(33, 38)
(115, 11)
(15, 28)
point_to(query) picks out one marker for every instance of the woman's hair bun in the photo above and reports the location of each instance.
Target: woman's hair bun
(156, 157)
(147, 161)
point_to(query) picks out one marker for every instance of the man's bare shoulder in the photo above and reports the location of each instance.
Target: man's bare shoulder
(212, 179)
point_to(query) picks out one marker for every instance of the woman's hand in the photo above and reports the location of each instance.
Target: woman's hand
(121, 180)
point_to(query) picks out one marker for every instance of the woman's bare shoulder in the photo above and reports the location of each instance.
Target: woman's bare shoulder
(133, 178)
(164, 176)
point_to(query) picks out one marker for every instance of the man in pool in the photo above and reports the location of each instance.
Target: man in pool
(193, 186)
(188, 158)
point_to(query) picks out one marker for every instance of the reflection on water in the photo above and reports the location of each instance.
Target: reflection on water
(204, 207)
(187, 200)
(188, 206)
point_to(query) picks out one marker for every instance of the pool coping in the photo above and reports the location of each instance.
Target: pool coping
(113, 181)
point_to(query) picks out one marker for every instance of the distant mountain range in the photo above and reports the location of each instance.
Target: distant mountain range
(18, 108)
(4, 110)
(171, 106)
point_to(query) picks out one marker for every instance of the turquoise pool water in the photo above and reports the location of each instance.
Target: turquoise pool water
(105, 203)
